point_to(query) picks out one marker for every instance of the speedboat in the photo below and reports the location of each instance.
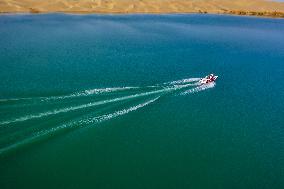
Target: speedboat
(208, 79)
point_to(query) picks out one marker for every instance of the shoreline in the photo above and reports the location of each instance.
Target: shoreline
(258, 8)
(237, 13)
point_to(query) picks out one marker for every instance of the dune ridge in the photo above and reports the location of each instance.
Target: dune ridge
(239, 7)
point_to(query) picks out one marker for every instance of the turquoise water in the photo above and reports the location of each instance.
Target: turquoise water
(114, 101)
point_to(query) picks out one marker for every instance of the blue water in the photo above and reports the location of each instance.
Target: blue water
(113, 101)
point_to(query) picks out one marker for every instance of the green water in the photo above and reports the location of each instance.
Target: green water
(114, 101)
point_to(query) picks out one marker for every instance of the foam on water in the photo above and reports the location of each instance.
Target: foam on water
(80, 123)
(90, 92)
(188, 80)
(73, 108)
(92, 104)
(73, 95)
(199, 88)
(191, 85)
(116, 114)
(95, 91)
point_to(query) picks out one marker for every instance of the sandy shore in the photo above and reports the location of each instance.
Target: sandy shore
(240, 7)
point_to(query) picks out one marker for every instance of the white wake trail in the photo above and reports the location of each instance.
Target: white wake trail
(64, 110)
(88, 92)
(80, 123)
(105, 117)
(91, 104)
(199, 88)
(183, 81)
(95, 91)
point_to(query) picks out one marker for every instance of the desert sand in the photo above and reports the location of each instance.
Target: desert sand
(240, 7)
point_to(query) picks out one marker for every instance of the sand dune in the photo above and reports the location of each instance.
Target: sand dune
(241, 7)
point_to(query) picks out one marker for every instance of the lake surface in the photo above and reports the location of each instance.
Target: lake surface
(113, 101)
